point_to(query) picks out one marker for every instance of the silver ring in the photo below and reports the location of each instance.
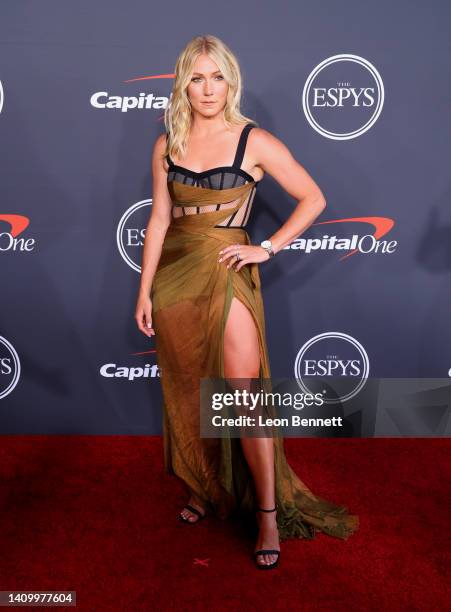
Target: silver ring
(237, 255)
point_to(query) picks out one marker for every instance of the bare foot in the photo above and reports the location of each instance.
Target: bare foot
(268, 537)
(191, 516)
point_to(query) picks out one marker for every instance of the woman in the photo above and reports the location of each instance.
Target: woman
(200, 289)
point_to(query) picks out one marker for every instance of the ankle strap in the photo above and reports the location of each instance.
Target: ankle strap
(264, 510)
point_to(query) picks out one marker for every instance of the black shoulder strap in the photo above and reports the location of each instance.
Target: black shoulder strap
(242, 145)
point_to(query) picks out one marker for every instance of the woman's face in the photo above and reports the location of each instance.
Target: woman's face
(208, 88)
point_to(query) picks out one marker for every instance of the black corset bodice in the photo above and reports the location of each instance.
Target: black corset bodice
(223, 177)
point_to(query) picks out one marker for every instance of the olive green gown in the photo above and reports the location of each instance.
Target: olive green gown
(191, 296)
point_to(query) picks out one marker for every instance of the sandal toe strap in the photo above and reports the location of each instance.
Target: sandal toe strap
(194, 510)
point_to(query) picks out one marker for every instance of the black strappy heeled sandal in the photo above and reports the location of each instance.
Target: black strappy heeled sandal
(266, 551)
(194, 511)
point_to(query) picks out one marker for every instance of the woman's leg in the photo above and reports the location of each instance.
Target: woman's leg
(242, 360)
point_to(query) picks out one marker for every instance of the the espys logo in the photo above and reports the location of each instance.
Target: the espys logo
(343, 96)
(139, 101)
(2, 96)
(356, 243)
(9, 240)
(9, 367)
(131, 232)
(334, 355)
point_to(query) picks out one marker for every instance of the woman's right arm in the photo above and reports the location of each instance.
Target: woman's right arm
(157, 226)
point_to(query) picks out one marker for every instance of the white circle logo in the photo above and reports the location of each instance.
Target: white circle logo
(130, 233)
(335, 356)
(9, 367)
(343, 96)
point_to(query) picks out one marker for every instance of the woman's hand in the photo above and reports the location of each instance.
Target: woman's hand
(248, 254)
(143, 315)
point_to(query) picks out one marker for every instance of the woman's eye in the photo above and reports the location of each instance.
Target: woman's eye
(218, 76)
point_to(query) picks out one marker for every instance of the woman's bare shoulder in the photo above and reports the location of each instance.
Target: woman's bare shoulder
(262, 137)
(160, 143)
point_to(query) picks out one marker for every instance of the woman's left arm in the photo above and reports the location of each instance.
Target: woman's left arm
(274, 157)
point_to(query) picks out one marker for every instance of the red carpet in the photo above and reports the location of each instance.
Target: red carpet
(97, 514)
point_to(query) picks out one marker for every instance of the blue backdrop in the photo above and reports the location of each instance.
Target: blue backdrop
(358, 91)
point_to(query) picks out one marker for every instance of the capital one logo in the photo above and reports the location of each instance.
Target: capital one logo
(343, 96)
(131, 232)
(13, 239)
(9, 367)
(357, 243)
(137, 101)
(335, 356)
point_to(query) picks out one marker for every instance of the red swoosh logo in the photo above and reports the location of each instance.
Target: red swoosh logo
(17, 222)
(382, 225)
(147, 78)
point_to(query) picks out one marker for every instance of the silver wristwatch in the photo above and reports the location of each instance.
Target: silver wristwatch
(267, 245)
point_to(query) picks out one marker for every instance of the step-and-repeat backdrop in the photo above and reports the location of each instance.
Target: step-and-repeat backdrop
(358, 91)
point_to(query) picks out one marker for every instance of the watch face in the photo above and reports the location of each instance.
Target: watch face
(266, 244)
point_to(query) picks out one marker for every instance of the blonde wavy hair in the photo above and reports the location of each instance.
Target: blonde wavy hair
(178, 114)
